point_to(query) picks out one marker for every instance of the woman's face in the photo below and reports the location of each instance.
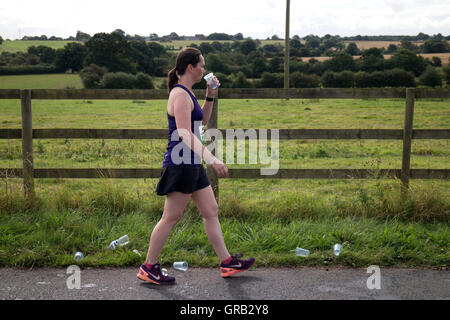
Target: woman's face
(199, 70)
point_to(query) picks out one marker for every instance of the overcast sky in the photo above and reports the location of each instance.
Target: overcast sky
(258, 19)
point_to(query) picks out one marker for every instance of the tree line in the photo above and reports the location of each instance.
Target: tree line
(108, 60)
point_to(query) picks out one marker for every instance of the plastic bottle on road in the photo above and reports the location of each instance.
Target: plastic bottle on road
(124, 240)
(180, 265)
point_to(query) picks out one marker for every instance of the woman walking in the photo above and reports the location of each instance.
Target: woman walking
(183, 175)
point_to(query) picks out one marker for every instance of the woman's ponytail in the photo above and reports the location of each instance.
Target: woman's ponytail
(172, 79)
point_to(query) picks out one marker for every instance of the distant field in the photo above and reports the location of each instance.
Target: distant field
(41, 81)
(444, 57)
(51, 81)
(19, 45)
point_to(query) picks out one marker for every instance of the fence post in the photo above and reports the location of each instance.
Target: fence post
(27, 144)
(212, 174)
(407, 137)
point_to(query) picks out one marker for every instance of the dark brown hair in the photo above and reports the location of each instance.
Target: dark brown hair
(185, 57)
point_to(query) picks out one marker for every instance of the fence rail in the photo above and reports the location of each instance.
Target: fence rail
(27, 133)
(142, 173)
(284, 134)
(266, 93)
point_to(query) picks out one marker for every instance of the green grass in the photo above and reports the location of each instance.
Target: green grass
(51, 81)
(263, 218)
(42, 81)
(22, 45)
(83, 216)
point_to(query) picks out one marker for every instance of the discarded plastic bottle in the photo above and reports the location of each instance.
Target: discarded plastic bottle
(202, 133)
(180, 265)
(337, 249)
(78, 256)
(119, 242)
(300, 252)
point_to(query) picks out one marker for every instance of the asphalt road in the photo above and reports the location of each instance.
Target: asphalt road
(304, 283)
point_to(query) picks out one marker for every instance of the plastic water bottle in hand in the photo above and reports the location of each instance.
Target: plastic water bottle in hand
(124, 240)
(209, 78)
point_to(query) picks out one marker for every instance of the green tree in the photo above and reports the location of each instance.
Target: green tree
(391, 49)
(435, 46)
(110, 50)
(92, 75)
(431, 77)
(81, 36)
(372, 60)
(118, 80)
(1, 40)
(144, 81)
(301, 80)
(217, 63)
(436, 62)
(339, 62)
(206, 47)
(407, 60)
(272, 80)
(344, 79)
(240, 81)
(258, 67)
(45, 54)
(447, 75)
(352, 49)
(71, 57)
(408, 45)
(312, 42)
(248, 46)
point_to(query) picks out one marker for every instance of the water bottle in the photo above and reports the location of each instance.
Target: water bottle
(180, 265)
(202, 133)
(337, 249)
(300, 252)
(124, 240)
(209, 78)
(78, 256)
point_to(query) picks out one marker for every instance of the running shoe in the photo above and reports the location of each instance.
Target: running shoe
(235, 266)
(154, 275)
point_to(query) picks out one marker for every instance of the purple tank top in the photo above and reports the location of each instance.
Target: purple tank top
(176, 157)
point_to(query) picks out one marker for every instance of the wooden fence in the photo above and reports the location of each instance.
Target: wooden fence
(27, 134)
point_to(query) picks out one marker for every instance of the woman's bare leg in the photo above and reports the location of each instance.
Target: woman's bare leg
(173, 211)
(207, 205)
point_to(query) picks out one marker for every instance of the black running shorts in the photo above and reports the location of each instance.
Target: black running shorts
(182, 178)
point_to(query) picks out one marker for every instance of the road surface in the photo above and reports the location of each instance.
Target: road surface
(305, 283)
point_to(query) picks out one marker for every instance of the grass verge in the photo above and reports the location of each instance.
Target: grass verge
(374, 224)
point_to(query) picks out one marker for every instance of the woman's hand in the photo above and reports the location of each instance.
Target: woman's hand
(220, 167)
(212, 92)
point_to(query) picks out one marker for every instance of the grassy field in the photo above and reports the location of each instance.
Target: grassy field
(41, 81)
(262, 218)
(22, 45)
